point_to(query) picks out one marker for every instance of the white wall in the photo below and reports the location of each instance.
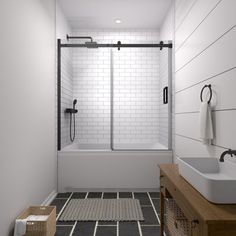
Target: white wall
(62, 29)
(27, 104)
(205, 54)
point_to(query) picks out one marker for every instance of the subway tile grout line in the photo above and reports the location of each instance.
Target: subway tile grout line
(59, 214)
(153, 207)
(139, 226)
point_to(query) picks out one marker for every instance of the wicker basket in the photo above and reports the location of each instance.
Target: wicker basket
(177, 224)
(40, 228)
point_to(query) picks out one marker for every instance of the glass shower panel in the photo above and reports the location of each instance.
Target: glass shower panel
(136, 99)
(91, 87)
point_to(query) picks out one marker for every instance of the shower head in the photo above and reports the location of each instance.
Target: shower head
(91, 44)
(74, 102)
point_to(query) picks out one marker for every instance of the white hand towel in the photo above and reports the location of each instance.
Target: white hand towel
(206, 127)
(20, 227)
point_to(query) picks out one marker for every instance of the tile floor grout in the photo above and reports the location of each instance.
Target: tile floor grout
(117, 225)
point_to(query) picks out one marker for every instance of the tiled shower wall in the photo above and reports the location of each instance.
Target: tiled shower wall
(136, 88)
(163, 108)
(66, 94)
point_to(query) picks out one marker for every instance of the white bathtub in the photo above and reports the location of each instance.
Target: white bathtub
(101, 169)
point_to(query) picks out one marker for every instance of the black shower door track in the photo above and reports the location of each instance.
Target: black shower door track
(103, 45)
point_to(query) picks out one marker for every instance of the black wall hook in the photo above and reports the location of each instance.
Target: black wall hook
(206, 86)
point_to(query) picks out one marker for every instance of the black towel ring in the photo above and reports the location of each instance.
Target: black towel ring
(206, 86)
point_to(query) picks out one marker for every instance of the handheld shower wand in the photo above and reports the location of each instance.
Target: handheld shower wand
(72, 137)
(74, 103)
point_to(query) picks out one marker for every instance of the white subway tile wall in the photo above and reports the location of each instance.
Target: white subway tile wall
(137, 97)
(66, 94)
(163, 112)
(91, 87)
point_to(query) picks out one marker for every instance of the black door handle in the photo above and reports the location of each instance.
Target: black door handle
(165, 95)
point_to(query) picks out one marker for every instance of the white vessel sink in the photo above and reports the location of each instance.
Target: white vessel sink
(215, 180)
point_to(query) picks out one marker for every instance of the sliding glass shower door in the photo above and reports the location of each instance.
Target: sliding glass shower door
(140, 119)
(121, 98)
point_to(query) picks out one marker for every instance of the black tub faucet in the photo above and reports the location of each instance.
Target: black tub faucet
(230, 152)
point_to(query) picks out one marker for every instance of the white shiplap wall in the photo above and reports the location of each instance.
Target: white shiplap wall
(205, 54)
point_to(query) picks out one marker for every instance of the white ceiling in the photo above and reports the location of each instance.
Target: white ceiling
(102, 13)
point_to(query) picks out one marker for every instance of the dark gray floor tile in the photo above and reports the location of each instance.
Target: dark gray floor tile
(128, 229)
(143, 198)
(63, 230)
(94, 195)
(109, 195)
(154, 194)
(59, 203)
(65, 223)
(107, 223)
(156, 203)
(63, 195)
(150, 230)
(78, 195)
(106, 231)
(84, 229)
(149, 216)
(125, 195)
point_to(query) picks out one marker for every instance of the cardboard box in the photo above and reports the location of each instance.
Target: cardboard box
(40, 228)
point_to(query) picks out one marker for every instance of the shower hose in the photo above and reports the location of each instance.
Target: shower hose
(72, 136)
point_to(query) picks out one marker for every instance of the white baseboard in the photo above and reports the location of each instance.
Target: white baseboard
(49, 198)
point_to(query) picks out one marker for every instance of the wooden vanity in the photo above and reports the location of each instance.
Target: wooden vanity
(206, 218)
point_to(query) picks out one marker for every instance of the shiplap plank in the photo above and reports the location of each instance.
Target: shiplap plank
(216, 59)
(197, 14)
(201, 38)
(224, 127)
(224, 96)
(183, 8)
(186, 147)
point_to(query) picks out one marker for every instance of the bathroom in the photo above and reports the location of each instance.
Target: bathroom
(104, 96)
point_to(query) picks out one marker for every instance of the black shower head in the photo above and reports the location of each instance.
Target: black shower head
(74, 102)
(91, 44)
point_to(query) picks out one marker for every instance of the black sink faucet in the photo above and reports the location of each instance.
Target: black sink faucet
(230, 152)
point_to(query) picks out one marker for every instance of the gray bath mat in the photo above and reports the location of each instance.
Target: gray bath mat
(103, 210)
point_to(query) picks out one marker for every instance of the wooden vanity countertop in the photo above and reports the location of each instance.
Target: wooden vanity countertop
(209, 212)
